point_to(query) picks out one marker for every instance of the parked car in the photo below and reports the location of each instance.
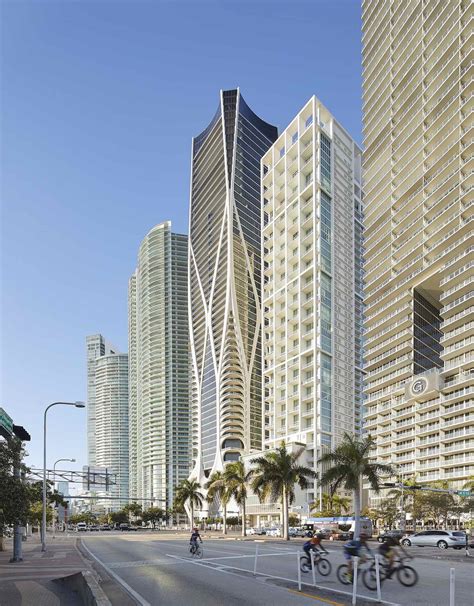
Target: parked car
(81, 527)
(435, 538)
(261, 531)
(252, 531)
(340, 535)
(105, 527)
(396, 534)
(94, 528)
(273, 532)
(124, 527)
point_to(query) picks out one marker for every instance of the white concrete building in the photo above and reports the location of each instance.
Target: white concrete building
(159, 368)
(312, 286)
(418, 168)
(96, 345)
(111, 426)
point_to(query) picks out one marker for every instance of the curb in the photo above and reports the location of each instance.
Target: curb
(87, 587)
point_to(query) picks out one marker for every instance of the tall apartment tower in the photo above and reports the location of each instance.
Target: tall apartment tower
(419, 259)
(111, 425)
(159, 367)
(96, 345)
(312, 284)
(224, 284)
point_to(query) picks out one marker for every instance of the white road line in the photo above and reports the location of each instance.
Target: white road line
(272, 576)
(136, 596)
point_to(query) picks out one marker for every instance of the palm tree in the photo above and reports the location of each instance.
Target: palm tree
(275, 475)
(351, 464)
(341, 504)
(236, 479)
(189, 491)
(217, 491)
(469, 485)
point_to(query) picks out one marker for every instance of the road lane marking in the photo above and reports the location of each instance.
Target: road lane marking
(316, 597)
(141, 601)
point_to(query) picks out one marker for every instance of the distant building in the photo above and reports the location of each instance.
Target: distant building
(224, 284)
(112, 429)
(159, 368)
(96, 345)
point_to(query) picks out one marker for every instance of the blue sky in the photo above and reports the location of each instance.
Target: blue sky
(100, 102)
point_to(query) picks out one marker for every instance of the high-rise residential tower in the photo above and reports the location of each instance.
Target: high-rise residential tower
(96, 345)
(224, 283)
(159, 367)
(111, 425)
(418, 168)
(312, 284)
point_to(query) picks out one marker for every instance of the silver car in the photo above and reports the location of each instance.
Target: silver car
(435, 538)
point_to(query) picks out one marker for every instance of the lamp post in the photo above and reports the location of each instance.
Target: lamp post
(54, 476)
(43, 525)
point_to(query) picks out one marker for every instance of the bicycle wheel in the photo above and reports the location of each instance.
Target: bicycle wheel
(369, 578)
(324, 567)
(342, 575)
(407, 576)
(305, 564)
(198, 553)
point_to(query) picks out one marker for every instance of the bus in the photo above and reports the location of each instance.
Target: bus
(339, 524)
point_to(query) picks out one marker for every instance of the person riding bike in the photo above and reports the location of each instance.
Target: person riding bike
(354, 548)
(314, 544)
(194, 539)
(389, 550)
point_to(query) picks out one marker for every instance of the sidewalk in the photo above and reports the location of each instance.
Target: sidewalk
(30, 583)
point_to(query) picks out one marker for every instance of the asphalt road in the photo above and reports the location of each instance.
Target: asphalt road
(159, 569)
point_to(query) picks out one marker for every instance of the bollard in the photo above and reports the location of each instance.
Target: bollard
(298, 557)
(354, 582)
(255, 562)
(312, 567)
(452, 582)
(377, 577)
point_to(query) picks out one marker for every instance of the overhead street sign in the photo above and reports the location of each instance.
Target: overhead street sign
(6, 424)
(465, 493)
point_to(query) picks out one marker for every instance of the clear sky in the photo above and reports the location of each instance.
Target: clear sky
(100, 102)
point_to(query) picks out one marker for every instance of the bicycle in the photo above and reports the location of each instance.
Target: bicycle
(406, 575)
(322, 564)
(196, 551)
(342, 572)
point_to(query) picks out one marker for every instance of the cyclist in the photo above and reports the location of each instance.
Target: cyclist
(314, 544)
(389, 550)
(354, 548)
(194, 539)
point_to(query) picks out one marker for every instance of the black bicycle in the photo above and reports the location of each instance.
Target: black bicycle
(405, 574)
(196, 551)
(345, 578)
(321, 564)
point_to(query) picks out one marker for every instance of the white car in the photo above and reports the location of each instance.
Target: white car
(274, 532)
(252, 531)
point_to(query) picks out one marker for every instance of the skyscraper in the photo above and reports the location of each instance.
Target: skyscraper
(96, 346)
(418, 100)
(111, 425)
(159, 367)
(312, 284)
(224, 283)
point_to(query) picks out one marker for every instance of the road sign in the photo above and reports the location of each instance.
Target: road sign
(464, 493)
(6, 424)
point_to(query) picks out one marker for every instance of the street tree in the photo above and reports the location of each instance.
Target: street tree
(153, 515)
(15, 496)
(189, 491)
(350, 463)
(132, 510)
(237, 479)
(218, 493)
(275, 476)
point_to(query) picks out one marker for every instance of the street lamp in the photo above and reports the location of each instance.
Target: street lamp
(54, 476)
(43, 525)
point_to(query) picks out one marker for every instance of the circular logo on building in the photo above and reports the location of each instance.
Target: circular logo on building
(419, 386)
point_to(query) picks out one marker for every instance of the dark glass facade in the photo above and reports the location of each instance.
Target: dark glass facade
(225, 274)
(426, 335)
